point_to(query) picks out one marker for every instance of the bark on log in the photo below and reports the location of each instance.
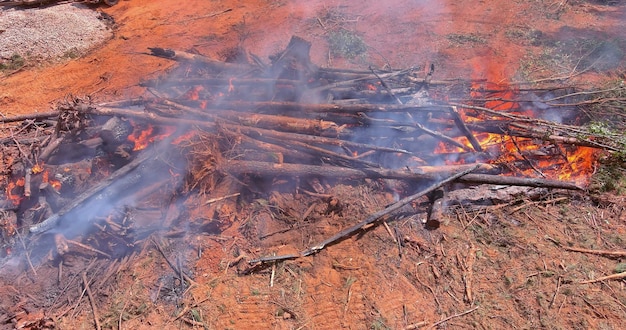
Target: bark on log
(272, 169)
(36, 116)
(274, 122)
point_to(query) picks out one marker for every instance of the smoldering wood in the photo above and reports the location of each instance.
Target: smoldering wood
(442, 137)
(461, 125)
(531, 130)
(89, 194)
(115, 130)
(386, 87)
(525, 131)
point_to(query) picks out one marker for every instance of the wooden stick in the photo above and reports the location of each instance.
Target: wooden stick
(89, 248)
(352, 81)
(43, 115)
(264, 168)
(461, 125)
(336, 108)
(27, 182)
(415, 325)
(617, 276)
(384, 84)
(184, 275)
(599, 252)
(213, 200)
(208, 15)
(94, 310)
(50, 148)
(329, 154)
(443, 137)
(237, 167)
(270, 149)
(370, 220)
(468, 273)
(434, 325)
(519, 181)
(276, 122)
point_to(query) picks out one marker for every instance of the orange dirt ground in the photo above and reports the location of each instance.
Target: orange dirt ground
(517, 276)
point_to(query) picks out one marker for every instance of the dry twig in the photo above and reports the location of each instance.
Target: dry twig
(617, 276)
(96, 318)
(434, 325)
(598, 252)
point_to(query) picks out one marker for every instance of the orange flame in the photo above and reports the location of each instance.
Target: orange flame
(185, 137)
(142, 137)
(575, 164)
(580, 165)
(37, 168)
(54, 183)
(15, 198)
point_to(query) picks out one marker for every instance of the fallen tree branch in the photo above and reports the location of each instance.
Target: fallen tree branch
(236, 167)
(35, 116)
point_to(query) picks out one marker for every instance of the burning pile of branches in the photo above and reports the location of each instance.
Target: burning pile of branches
(222, 128)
